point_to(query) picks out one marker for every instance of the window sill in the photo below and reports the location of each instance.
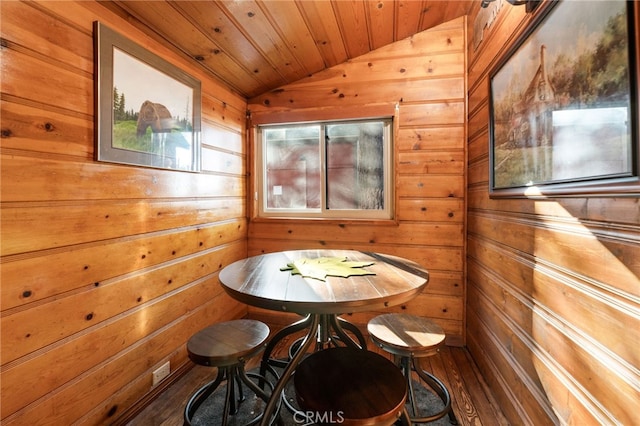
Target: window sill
(331, 220)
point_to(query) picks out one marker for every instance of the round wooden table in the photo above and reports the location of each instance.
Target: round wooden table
(261, 281)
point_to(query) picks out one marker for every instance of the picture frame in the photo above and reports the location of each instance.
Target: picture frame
(148, 111)
(563, 105)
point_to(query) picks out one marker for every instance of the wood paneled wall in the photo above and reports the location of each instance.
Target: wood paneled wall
(553, 318)
(107, 269)
(425, 76)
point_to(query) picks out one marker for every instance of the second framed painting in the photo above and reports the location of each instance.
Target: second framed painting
(563, 104)
(148, 110)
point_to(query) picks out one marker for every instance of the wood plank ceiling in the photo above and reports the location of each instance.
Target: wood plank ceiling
(255, 46)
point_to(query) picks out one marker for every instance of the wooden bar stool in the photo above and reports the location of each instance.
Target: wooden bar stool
(353, 387)
(227, 346)
(409, 337)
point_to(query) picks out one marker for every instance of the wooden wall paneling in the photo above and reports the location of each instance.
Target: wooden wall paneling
(478, 99)
(214, 135)
(479, 155)
(219, 112)
(443, 138)
(623, 212)
(430, 209)
(28, 128)
(434, 306)
(29, 176)
(541, 366)
(408, 233)
(425, 162)
(442, 66)
(445, 37)
(119, 402)
(565, 349)
(478, 127)
(88, 11)
(430, 186)
(28, 228)
(359, 92)
(444, 282)
(37, 326)
(106, 269)
(504, 29)
(116, 373)
(477, 175)
(46, 370)
(423, 76)
(526, 402)
(431, 54)
(570, 246)
(26, 279)
(42, 80)
(406, 88)
(552, 283)
(48, 36)
(433, 114)
(218, 161)
(481, 343)
(584, 249)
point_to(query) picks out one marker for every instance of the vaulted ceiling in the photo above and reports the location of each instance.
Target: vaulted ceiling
(255, 46)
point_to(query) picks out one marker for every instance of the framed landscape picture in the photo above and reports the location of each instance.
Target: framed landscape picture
(148, 110)
(563, 104)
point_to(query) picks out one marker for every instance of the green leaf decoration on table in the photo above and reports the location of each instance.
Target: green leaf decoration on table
(322, 267)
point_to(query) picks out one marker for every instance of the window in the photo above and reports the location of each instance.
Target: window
(326, 169)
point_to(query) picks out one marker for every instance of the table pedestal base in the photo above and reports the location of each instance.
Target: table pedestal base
(325, 330)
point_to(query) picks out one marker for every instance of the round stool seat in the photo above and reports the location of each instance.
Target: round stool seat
(350, 386)
(406, 335)
(225, 343)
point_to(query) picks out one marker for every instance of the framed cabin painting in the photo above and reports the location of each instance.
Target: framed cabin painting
(563, 104)
(147, 109)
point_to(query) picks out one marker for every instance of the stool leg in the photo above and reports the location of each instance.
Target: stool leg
(237, 385)
(246, 379)
(201, 395)
(405, 418)
(441, 390)
(229, 400)
(405, 366)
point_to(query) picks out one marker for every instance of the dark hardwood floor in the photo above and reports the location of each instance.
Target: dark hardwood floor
(471, 399)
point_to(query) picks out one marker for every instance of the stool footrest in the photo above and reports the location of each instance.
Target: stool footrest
(235, 377)
(438, 387)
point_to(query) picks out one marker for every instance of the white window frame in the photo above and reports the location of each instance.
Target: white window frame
(353, 214)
